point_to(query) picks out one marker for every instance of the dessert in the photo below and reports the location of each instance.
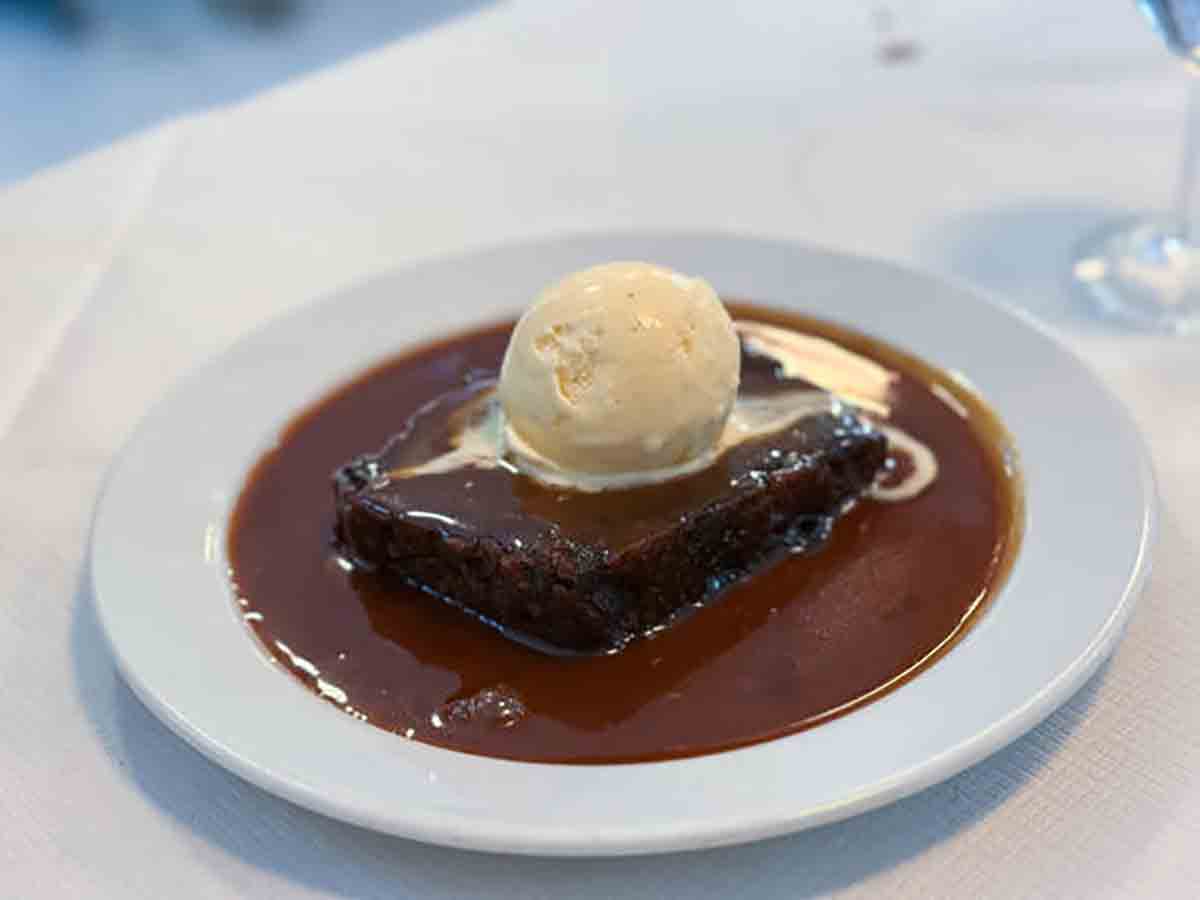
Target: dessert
(589, 572)
(805, 637)
(614, 475)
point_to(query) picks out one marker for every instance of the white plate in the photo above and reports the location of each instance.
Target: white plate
(160, 574)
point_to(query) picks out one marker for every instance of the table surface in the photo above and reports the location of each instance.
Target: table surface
(78, 74)
(975, 140)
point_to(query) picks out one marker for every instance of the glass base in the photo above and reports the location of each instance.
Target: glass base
(1143, 273)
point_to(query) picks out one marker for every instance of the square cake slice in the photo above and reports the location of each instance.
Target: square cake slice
(574, 572)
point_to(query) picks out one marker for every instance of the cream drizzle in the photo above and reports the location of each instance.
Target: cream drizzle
(486, 442)
(924, 463)
(859, 381)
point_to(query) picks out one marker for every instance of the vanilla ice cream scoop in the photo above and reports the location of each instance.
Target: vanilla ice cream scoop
(622, 368)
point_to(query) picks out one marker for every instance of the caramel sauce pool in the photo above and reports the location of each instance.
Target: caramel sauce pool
(793, 646)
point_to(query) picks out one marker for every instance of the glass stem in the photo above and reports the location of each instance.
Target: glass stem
(1186, 194)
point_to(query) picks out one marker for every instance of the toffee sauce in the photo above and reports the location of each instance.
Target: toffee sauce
(804, 641)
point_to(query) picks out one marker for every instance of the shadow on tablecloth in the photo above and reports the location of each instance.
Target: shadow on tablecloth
(1022, 254)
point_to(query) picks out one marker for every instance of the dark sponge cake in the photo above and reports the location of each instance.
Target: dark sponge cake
(569, 571)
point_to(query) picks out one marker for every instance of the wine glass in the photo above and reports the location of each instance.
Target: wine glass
(1146, 272)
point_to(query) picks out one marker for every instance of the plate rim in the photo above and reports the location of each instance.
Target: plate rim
(633, 838)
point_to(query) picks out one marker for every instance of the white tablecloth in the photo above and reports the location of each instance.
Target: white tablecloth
(1015, 129)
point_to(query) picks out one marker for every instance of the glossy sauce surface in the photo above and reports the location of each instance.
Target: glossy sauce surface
(792, 646)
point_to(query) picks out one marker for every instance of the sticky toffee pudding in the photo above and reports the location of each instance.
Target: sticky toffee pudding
(447, 596)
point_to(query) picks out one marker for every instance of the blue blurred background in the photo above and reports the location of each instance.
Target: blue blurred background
(77, 74)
